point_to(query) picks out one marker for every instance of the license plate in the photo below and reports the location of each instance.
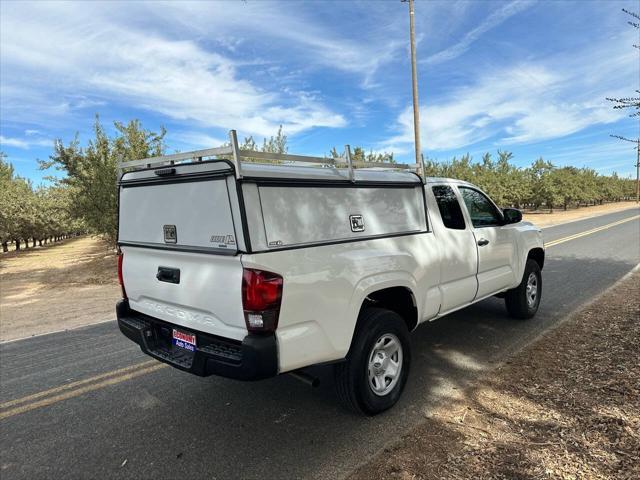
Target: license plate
(184, 340)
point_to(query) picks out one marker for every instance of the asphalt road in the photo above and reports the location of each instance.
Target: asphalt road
(152, 421)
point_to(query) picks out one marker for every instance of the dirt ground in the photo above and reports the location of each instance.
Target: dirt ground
(566, 407)
(546, 219)
(56, 287)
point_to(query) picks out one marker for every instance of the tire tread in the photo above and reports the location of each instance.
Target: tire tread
(515, 299)
(344, 372)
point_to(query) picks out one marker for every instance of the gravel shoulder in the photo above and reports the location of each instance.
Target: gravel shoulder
(57, 287)
(546, 219)
(567, 406)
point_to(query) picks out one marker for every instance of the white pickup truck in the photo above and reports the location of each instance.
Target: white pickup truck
(248, 270)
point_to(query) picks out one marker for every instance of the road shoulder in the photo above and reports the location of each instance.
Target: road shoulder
(561, 217)
(58, 287)
(566, 406)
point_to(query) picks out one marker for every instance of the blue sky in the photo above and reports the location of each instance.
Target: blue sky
(527, 76)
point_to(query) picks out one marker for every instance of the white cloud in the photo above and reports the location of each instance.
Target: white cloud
(603, 155)
(13, 142)
(293, 28)
(196, 140)
(558, 120)
(25, 143)
(527, 102)
(469, 114)
(493, 20)
(81, 55)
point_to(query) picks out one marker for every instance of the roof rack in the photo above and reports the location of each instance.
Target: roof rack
(236, 155)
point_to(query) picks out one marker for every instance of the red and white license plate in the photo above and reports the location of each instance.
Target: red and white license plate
(184, 340)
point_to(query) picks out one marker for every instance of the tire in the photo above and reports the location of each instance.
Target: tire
(377, 328)
(519, 301)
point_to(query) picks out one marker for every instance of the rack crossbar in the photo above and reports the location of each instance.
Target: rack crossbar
(287, 157)
(383, 165)
(175, 157)
(236, 155)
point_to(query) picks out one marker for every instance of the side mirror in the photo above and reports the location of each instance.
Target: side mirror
(512, 215)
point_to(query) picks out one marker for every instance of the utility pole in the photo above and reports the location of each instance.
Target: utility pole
(414, 78)
(638, 172)
(637, 142)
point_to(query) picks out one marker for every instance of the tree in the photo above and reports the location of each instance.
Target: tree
(358, 155)
(277, 144)
(566, 182)
(91, 171)
(543, 188)
(249, 144)
(21, 208)
(542, 184)
(28, 214)
(632, 103)
(7, 219)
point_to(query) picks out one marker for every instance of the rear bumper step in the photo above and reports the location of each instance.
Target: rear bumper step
(256, 357)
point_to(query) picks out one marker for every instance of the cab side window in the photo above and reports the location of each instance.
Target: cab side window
(482, 211)
(449, 207)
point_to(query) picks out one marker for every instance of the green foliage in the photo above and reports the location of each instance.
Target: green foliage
(249, 144)
(358, 155)
(91, 172)
(540, 185)
(28, 213)
(275, 144)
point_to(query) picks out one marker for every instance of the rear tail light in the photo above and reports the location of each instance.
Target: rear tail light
(120, 278)
(261, 298)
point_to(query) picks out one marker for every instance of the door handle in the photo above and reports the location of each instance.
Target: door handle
(482, 242)
(169, 275)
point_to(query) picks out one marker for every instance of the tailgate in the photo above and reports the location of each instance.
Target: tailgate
(208, 297)
(177, 232)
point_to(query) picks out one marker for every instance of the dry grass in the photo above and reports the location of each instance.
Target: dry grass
(566, 407)
(59, 286)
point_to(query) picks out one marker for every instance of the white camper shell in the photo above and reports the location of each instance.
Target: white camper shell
(246, 269)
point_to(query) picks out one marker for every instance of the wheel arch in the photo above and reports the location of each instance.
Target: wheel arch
(394, 290)
(537, 254)
(399, 299)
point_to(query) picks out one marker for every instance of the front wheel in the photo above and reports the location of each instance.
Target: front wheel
(523, 301)
(373, 376)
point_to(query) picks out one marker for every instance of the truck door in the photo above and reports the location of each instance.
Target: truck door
(495, 243)
(458, 252)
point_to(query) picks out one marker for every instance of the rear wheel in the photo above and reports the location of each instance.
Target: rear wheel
(523, 301)
(372, 378)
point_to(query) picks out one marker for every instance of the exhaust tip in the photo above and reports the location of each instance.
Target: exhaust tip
(305, 378)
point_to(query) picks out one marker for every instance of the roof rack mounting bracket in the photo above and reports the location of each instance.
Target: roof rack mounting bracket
(235, 150)
(347, 156)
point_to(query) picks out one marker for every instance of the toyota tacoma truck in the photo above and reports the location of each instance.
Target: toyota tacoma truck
(249, 264)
